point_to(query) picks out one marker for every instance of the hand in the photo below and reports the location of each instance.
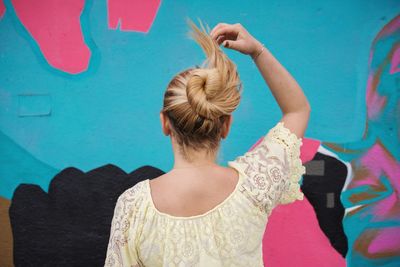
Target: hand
(236, 37)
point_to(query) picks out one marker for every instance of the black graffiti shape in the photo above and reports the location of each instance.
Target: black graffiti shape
(322, 189)
(69, 225)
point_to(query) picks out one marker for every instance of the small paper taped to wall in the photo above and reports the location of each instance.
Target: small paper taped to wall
(34, 105)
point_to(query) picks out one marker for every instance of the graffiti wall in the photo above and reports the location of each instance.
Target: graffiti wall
(81, 85)
(371, 192)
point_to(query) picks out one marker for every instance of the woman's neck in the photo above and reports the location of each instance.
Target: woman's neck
(198, 159)
(193, 164)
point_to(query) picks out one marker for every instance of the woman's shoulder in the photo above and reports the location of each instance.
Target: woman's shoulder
(133, 194)
(135, 189)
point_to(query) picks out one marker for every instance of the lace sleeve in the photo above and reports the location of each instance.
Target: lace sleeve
(273, 169)
(282, 136)
(121, 249)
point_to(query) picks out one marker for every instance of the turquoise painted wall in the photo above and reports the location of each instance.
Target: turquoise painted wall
(109, 113)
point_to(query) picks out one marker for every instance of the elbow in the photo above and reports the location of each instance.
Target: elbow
(307, 108)
(305, 111)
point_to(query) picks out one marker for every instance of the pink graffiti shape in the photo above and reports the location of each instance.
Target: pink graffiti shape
(55, 26)
(395, 64)
(379, 163)
(375, 102)
(132, 15)
(293, 236)
(388, 29)
(309, 149)
(387, 240)
(2, 9)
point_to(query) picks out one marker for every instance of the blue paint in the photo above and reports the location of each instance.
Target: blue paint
(109, 114)
(346, 195)
(18, 166)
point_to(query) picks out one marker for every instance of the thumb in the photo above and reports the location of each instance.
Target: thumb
(236, 45)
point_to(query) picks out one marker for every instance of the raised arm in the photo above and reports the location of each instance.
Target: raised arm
(288, 94)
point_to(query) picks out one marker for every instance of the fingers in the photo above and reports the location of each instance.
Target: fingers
(218, 26)
(232, 36)
(224, 29)
(232, 44)
(220, 39)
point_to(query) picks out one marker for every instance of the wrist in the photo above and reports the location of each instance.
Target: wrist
(259, 49)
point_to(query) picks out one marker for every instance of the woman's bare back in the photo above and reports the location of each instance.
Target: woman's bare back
(192, 192)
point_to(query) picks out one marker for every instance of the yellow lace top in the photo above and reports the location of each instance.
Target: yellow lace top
(230, 234)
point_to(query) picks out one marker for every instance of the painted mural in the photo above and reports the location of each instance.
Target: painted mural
(371, 194)
(72, 134)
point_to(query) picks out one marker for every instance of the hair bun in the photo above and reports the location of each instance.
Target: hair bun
(203, 90)
(198, 99)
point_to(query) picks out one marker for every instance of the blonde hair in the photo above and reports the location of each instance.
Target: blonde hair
(198, 101)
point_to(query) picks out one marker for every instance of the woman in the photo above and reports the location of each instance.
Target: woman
(200, 213)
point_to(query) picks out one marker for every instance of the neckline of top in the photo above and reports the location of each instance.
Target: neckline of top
(148, 189)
